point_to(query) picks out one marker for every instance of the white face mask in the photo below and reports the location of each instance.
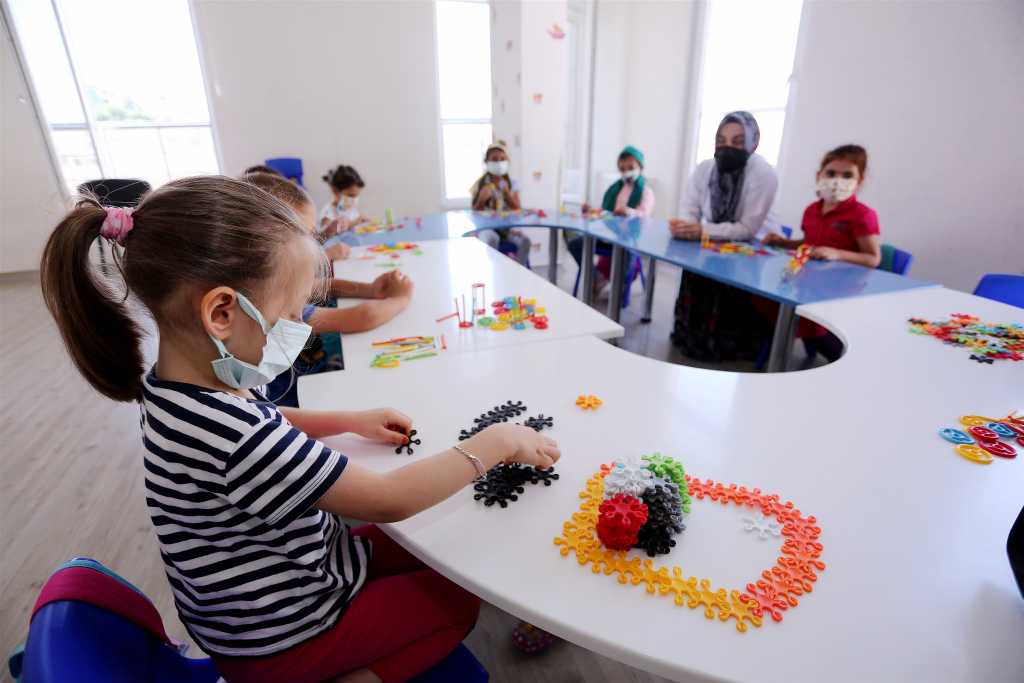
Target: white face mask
(497, 167)
(630, 175)
(836, 189)
(348, 202)
(285, 341)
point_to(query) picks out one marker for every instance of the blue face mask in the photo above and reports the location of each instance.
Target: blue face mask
(285, 341)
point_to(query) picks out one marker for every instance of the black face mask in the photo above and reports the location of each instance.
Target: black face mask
(730, 159)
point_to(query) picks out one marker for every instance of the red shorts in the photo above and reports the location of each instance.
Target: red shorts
(404, 619)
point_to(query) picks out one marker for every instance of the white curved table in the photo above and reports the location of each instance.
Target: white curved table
(917, 585)
(448, 269)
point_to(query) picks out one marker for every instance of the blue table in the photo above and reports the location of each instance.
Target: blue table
(759, 274)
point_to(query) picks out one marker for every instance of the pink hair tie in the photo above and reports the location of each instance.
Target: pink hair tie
(117, 224)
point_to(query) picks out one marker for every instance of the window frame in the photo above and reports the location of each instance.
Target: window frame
(459, 203)
(90, 125)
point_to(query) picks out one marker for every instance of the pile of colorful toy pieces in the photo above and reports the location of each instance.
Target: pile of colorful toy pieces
(392, 352)
(394, 248)
(515, 312)
(505, 213)
(799, 259)
(987, 342)
(643, 504)
(387, 225)
(732, 247)
(986, 437)
(776, 590)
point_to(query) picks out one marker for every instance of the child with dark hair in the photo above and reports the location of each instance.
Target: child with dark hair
(246, 502)
(341, 214)
(260, 168)
(837, 225)
(496, 191)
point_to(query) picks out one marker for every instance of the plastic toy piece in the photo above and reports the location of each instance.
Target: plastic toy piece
(763, 597)
(1003, 450)
(664, 518)
(502, 413)
(506, 481)
(1002, 430)
(446, 317)
(627, 477)
(529, 639)
(540, 422)
(797, 263)
(987, 342)
(590, 402)
(621, 517)
(955, 436)
(669, 468)
(982, 359)
(975, 420)
(409, 443)
(983, 434)
(764, 526)
(1017, 429)
(974, 453)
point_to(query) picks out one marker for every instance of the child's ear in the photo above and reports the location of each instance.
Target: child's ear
(217, 311)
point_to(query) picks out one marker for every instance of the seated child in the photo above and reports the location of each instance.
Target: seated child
(628, 197)
(247, 504)
(838, 226)
(387, 296)
(341, 214)
(496, 191)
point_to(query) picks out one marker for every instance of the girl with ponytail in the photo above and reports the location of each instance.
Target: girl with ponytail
(245, 501)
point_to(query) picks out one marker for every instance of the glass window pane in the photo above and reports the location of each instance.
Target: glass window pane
(147, 67)
(75, 154)
(464, 145)
(189, 151)
(464, 59)
(47, 63)
(132, 153)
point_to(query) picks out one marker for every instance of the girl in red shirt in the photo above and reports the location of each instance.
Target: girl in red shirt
(838, 226)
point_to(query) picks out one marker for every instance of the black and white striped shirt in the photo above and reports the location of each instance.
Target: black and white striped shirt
(230, 486)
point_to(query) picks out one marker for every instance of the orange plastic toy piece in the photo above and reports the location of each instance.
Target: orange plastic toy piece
(590, 402)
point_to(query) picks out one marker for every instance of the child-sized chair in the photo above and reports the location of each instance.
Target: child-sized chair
(895, 260)
(509, 248)
(89, 625)
(636, 267)
(289, 167)
(1002, 287)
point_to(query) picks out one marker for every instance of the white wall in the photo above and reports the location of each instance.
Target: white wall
(935, 91)
(31, 202)
(331, 82)
(641, 89)
(506, 75)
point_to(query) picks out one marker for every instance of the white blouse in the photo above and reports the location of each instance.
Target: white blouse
(754, 213)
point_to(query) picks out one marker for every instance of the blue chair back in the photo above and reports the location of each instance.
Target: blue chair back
(787, 232)
(895, 260)
(460, 666)
(289, 167)
(1002, 287)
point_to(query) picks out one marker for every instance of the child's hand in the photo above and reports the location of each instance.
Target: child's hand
(620, 212)
(487, 191)
(825, 253)
(391, 284)
(338, 252)
(516, 443)
(382, 424)
(684, 230)
(773, 239)
(585, 208)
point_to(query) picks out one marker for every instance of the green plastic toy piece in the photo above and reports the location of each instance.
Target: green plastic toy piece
(670, 468)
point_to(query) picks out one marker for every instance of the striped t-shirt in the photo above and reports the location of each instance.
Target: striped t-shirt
(230, 486)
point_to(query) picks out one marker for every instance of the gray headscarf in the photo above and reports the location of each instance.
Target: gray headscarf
(725, 187)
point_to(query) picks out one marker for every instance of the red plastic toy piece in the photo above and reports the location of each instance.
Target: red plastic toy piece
(620, 521)
(1003, 450)
(763, 597)
(1016, 427)
(983, 434)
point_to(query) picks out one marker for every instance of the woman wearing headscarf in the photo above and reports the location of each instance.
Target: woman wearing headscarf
(726, 198)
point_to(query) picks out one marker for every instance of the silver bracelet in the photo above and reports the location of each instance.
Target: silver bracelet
(481, 471)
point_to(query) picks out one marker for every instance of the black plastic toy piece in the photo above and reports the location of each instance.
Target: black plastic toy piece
(540, 422)
(502, 413)
(407, 446)
(982, 359)
(505, 482)
(664, 519)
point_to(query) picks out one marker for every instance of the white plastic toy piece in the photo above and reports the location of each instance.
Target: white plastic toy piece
(764, 526)
(629, 477)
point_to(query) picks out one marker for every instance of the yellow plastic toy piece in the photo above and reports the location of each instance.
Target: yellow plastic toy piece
(974, 453)
(975, 420)
(590, 402)
(499, 326)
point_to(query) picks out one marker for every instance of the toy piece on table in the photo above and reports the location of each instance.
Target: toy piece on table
(503, 483)
(987, 342)
(455, 314)
(797, 262)
(985, 437)
(501, 413)
(389, 247)
(590, 402)
(389, 217)
(664, 518)
(619, 521)
(409, 443)
(479, 299)
(444, 344)
(464, 321)
(391, 352)
(764, 526)
(743, 248)
(539, 423)
(705, 240)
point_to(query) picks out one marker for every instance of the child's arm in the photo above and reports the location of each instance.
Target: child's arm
(360, 318)
(350, 289)
(401, 493)
(774, 239)
(869, 256)
(511, 199)
(338, 252)
(383, 424)
(484, 197)
(390, 284)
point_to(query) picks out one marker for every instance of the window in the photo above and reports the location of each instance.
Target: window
(749, 46)
(120, 87)
(464, 79)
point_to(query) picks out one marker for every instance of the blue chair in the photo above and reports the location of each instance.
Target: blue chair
(510, 249)
(289, 167)
(90, 625)
(636, 267)
(1002, 287)
(895, 260)
(787, 232)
